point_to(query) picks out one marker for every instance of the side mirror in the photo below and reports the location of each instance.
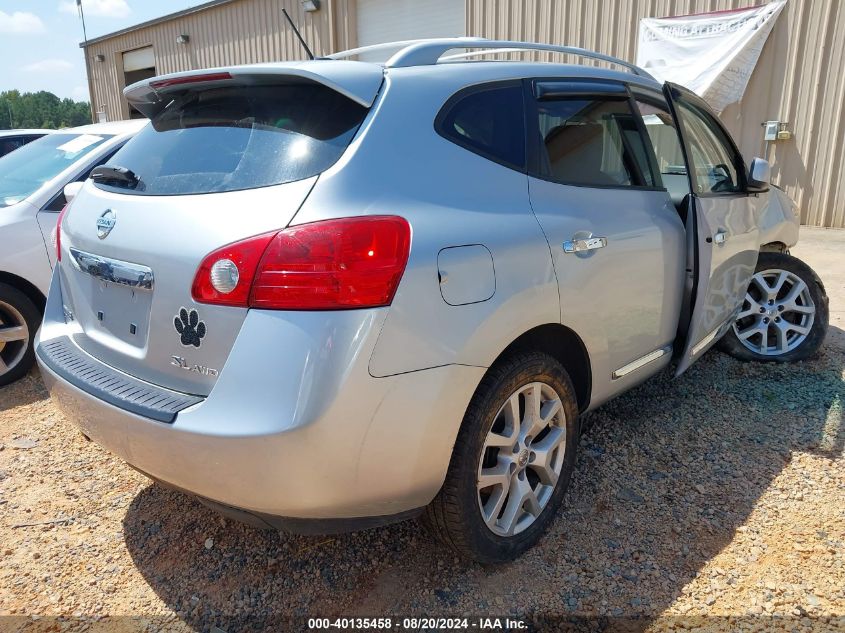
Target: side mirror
(70, 191)
(759, 175)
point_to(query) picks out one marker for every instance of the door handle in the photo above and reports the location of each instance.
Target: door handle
(586, 244)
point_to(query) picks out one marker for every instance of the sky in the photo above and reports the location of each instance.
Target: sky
(39, 39)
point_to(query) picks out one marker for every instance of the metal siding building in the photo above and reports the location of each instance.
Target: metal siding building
(800, 77)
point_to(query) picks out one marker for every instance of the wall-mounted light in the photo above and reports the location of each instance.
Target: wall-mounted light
(99, 57)
(183, 39)
(310, 5)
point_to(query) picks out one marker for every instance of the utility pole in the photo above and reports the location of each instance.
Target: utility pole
(82, 17)
(85, 52)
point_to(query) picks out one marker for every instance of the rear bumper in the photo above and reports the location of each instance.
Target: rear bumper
(295, 426)
(298, 526)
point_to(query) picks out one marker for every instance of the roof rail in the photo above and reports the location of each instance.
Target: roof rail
(430, 51)
(374, 48)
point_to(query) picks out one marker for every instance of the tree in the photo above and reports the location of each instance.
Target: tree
(41, 110)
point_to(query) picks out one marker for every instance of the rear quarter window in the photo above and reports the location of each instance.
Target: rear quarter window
(240, 137)
(488, 120)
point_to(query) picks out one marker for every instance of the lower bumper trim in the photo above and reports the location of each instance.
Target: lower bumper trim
(308, 526)
(295, 525)
(101, 381)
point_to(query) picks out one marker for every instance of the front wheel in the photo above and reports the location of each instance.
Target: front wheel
(19, 319)
(512, 460)
(784, 316)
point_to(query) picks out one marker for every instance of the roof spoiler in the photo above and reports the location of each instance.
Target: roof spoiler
(355, 80)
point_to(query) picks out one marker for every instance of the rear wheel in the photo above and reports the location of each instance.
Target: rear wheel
(19, 319)
(512, 461)
(784, 316)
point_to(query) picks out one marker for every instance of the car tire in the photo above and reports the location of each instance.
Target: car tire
(786, 309)
(543, 463)
(18, 315)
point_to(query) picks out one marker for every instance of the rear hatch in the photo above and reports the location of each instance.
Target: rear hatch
(224, 159)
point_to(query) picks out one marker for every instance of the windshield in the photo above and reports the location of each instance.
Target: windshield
(233, 138)
(23, 171)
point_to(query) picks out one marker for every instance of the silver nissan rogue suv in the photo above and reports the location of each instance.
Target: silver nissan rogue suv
(334, 294)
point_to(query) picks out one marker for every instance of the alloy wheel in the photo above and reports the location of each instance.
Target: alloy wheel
(777, 314)
(522, 459)
(14, 337)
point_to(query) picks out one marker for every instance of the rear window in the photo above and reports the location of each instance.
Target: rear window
(239, 137)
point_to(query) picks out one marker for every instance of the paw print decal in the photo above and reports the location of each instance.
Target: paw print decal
(190, 328)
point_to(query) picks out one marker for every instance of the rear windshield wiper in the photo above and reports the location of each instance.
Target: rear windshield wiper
(115, 175)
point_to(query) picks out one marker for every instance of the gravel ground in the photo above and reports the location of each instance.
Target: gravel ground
(713, 501)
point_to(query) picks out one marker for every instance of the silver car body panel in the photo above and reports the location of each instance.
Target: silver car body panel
(354, 413)
(728, 245)
(191, 227)
(622, 299)
(526, 293)
(296, 425)
(779, 219)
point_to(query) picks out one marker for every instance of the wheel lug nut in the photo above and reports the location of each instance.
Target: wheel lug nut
(771, 302)
(780, 308)
(766, 320)
(762, 310)
(777, 319)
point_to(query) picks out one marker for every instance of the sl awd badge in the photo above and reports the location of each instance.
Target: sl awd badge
(191, 330)
(105, 223)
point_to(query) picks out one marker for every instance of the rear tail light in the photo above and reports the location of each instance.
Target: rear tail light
(59, 233)
(244, 255)
(328, 265)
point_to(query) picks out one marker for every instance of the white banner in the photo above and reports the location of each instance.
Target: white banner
(712, 54)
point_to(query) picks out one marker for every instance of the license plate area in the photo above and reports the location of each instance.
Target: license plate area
(122, 313)
(117, 298)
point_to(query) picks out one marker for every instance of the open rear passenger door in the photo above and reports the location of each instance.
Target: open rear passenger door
(724, 219)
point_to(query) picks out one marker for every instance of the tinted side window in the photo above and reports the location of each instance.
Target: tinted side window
(592, 141)
(716, 165)
(487, 120)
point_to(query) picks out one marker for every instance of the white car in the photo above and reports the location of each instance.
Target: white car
(32, 182)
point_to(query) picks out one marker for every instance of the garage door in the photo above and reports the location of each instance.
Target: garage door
(139, 59)
(391, 20)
